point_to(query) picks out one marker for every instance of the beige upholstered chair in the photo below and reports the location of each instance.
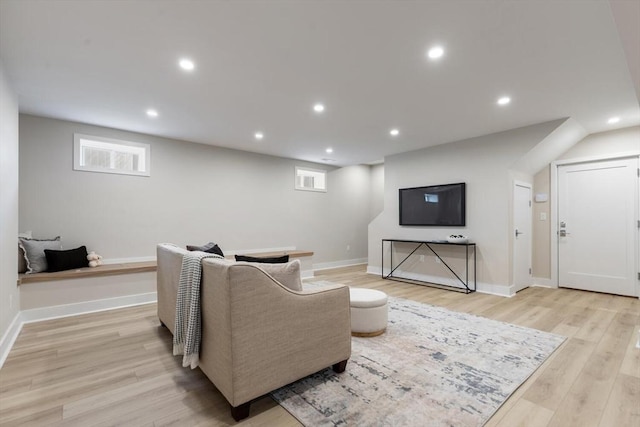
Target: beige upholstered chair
(257, 334)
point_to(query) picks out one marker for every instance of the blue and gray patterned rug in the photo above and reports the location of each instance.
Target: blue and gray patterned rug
(432, 367)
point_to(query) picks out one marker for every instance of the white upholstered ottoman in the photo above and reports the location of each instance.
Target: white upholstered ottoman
(368, 312)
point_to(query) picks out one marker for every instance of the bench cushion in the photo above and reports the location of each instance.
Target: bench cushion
(34, 252)
(66, 260)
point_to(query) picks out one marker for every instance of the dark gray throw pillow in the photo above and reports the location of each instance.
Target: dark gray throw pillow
(66, 260)
(270, 260)
(34, 252)
(210, 248)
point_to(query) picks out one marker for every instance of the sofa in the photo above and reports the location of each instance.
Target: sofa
(257, 334)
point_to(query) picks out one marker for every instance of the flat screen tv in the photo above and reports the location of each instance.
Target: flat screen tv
(435, 205)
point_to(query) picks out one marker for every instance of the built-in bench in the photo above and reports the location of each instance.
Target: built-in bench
(101, 270)
(48, 295)
(129, 268)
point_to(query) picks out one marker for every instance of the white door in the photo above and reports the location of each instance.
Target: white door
(597, 226)
(522, 236)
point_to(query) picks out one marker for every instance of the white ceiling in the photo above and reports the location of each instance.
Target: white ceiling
(260, 65)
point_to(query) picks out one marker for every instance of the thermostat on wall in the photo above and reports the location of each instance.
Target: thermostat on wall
(541, 197)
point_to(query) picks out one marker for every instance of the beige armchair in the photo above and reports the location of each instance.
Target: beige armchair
(257, 334)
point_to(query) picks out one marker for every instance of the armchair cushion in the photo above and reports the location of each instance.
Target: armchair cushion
(287, 274)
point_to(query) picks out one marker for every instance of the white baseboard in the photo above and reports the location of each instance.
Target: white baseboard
(372, 269)
(54, 312)
(57, 311)
(494, 289)
(9, 338)
(484, 288)
(337, 264)
(542, 282)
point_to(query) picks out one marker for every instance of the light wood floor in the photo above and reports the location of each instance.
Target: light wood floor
(116, 367)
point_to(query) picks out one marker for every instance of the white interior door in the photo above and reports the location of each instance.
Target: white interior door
(597, 226)
(522, 236)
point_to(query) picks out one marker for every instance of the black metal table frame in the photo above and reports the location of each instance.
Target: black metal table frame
(428, 243)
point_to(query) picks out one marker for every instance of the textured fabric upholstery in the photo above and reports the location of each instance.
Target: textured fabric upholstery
(258, 335)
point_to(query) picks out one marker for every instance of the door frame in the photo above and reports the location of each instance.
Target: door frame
(553, 186)
(528, 185)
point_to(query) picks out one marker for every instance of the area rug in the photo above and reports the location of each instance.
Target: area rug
(432, 367)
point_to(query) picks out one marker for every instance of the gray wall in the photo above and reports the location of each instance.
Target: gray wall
(603, 144)
(485, 164)
(377, 190)
(9, 295)
(541, 246)
(620, 141)
(196, 193)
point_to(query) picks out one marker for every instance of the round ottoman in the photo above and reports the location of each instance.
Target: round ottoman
(368, 312)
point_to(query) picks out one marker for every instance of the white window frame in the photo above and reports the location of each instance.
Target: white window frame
(117, 145)
(311, 172)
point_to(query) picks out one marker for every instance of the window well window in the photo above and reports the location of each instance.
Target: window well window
(97, 154)
(311, 179)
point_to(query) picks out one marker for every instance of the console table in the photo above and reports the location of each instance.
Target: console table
(470, 255)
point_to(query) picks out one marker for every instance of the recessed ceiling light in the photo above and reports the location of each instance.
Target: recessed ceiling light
(152, 113)
(504, 100)
(435, 52)
(187, 64)
(329, 150)
(613, 120)
(394, 132)
(258, 135)
(318, 108)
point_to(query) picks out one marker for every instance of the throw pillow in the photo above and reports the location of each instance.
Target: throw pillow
(66, 260)
(34, 252)
(22, 263)
(287, 274)
(271, 260)
(210, 248)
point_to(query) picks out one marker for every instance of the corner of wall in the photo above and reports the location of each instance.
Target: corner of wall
(9, 295)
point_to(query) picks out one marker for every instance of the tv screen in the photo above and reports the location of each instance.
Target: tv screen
(439, 205)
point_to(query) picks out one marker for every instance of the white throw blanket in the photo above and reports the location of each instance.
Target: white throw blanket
(186, 340)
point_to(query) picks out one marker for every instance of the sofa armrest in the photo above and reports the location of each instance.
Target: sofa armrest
(278, 335)
(169, 260)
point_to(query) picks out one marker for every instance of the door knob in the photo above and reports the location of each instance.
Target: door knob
(518, 232)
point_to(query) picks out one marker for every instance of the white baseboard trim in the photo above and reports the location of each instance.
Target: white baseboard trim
(484, 288)
(57, 311)
(9, 338)
(542, 282)
(372, 269)
(506, 291)
(336, 264)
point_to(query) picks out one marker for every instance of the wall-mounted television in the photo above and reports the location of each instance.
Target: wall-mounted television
(435, 205)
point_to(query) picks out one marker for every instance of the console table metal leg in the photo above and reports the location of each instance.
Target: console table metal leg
(466, 281)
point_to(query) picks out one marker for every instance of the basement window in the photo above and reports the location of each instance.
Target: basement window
(311, 179)
(106, 155)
